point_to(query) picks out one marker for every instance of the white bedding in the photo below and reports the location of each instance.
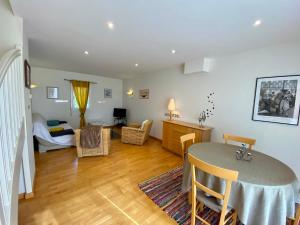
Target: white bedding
(40, 129)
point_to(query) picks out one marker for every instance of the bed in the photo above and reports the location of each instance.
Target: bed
(45, 141)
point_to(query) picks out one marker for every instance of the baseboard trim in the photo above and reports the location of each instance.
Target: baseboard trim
(31, 194)
(158, 139)
(26, 195)
(21, 196)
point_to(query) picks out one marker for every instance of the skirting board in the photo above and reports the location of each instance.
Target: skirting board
(155, 138)
(21, 196)
(28, 195)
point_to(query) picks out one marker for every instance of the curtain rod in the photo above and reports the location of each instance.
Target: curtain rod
(83, 80)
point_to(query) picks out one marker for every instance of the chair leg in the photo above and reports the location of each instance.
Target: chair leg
(200, 207)
(193, 214)
(234, 218)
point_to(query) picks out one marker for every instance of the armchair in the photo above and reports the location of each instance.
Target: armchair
(137, 134)
(102, 149)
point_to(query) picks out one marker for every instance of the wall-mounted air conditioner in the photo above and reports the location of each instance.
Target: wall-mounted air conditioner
(197, 66)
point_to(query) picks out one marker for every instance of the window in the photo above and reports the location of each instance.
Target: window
(74, 103)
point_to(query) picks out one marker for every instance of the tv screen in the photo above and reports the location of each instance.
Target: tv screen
(119, 112)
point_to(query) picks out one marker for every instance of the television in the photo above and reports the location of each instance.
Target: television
(119, 113)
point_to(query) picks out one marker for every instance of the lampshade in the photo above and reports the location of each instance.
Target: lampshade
(130, 92)
(171, 105)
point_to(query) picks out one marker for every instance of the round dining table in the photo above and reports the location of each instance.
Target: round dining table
(266, 190)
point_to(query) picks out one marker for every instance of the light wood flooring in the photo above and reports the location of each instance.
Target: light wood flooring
(97, 190)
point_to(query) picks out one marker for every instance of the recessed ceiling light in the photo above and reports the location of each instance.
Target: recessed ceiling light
(86, 52)
(136, 65)
(173, 51)
(110, 25)
(257, 23)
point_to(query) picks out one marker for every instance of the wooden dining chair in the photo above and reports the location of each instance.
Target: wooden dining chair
(184, 139)
(244, 140)
(227, 175)
(296, 220)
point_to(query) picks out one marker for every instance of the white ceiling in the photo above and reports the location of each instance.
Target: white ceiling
(146, 31)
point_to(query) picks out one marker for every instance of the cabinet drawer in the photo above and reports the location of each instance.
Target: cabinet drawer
(173, 131)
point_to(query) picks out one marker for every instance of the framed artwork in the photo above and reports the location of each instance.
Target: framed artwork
(277, 99)
(144, 94)
(107, 93)
(27, 74)
(52, 92)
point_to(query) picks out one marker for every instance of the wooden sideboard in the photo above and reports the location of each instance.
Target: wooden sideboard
(173, 129)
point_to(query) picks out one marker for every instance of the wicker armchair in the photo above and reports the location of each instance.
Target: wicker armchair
(103, 148)
(135, 135)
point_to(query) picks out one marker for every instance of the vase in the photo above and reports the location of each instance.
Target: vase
(201, 121)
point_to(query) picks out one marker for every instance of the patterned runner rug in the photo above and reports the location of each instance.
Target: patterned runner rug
(165, 191)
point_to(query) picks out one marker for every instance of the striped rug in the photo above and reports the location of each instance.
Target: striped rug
(165, 191)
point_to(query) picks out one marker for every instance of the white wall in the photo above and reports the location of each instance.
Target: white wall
(233, 81)
(55, 78)
(11, 33)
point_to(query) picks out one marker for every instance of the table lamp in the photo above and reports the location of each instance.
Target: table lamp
(171, 107)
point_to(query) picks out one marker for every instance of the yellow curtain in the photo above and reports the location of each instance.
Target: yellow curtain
(81, 90)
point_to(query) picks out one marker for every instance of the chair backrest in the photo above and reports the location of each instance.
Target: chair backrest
(184, 139)
(297, 219)
(143, 125)
(227, 175)
(244, 140)
(146, 127)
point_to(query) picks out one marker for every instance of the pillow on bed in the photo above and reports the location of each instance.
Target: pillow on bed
(56, 129)
(52, 123)
(62, 133)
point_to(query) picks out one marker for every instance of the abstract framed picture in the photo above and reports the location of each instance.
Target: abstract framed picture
(107, 93)
(144, 94)
(27, 74)
(52, 92)
(277, 99)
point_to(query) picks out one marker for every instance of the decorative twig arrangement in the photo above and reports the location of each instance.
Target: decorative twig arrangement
(208, 112)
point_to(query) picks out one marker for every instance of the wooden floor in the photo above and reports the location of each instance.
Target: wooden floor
(97, 190)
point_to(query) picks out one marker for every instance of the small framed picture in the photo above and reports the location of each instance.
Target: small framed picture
(52, 92)
(277, 99)
(107, 93)
(144, 94)
(27, 74)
